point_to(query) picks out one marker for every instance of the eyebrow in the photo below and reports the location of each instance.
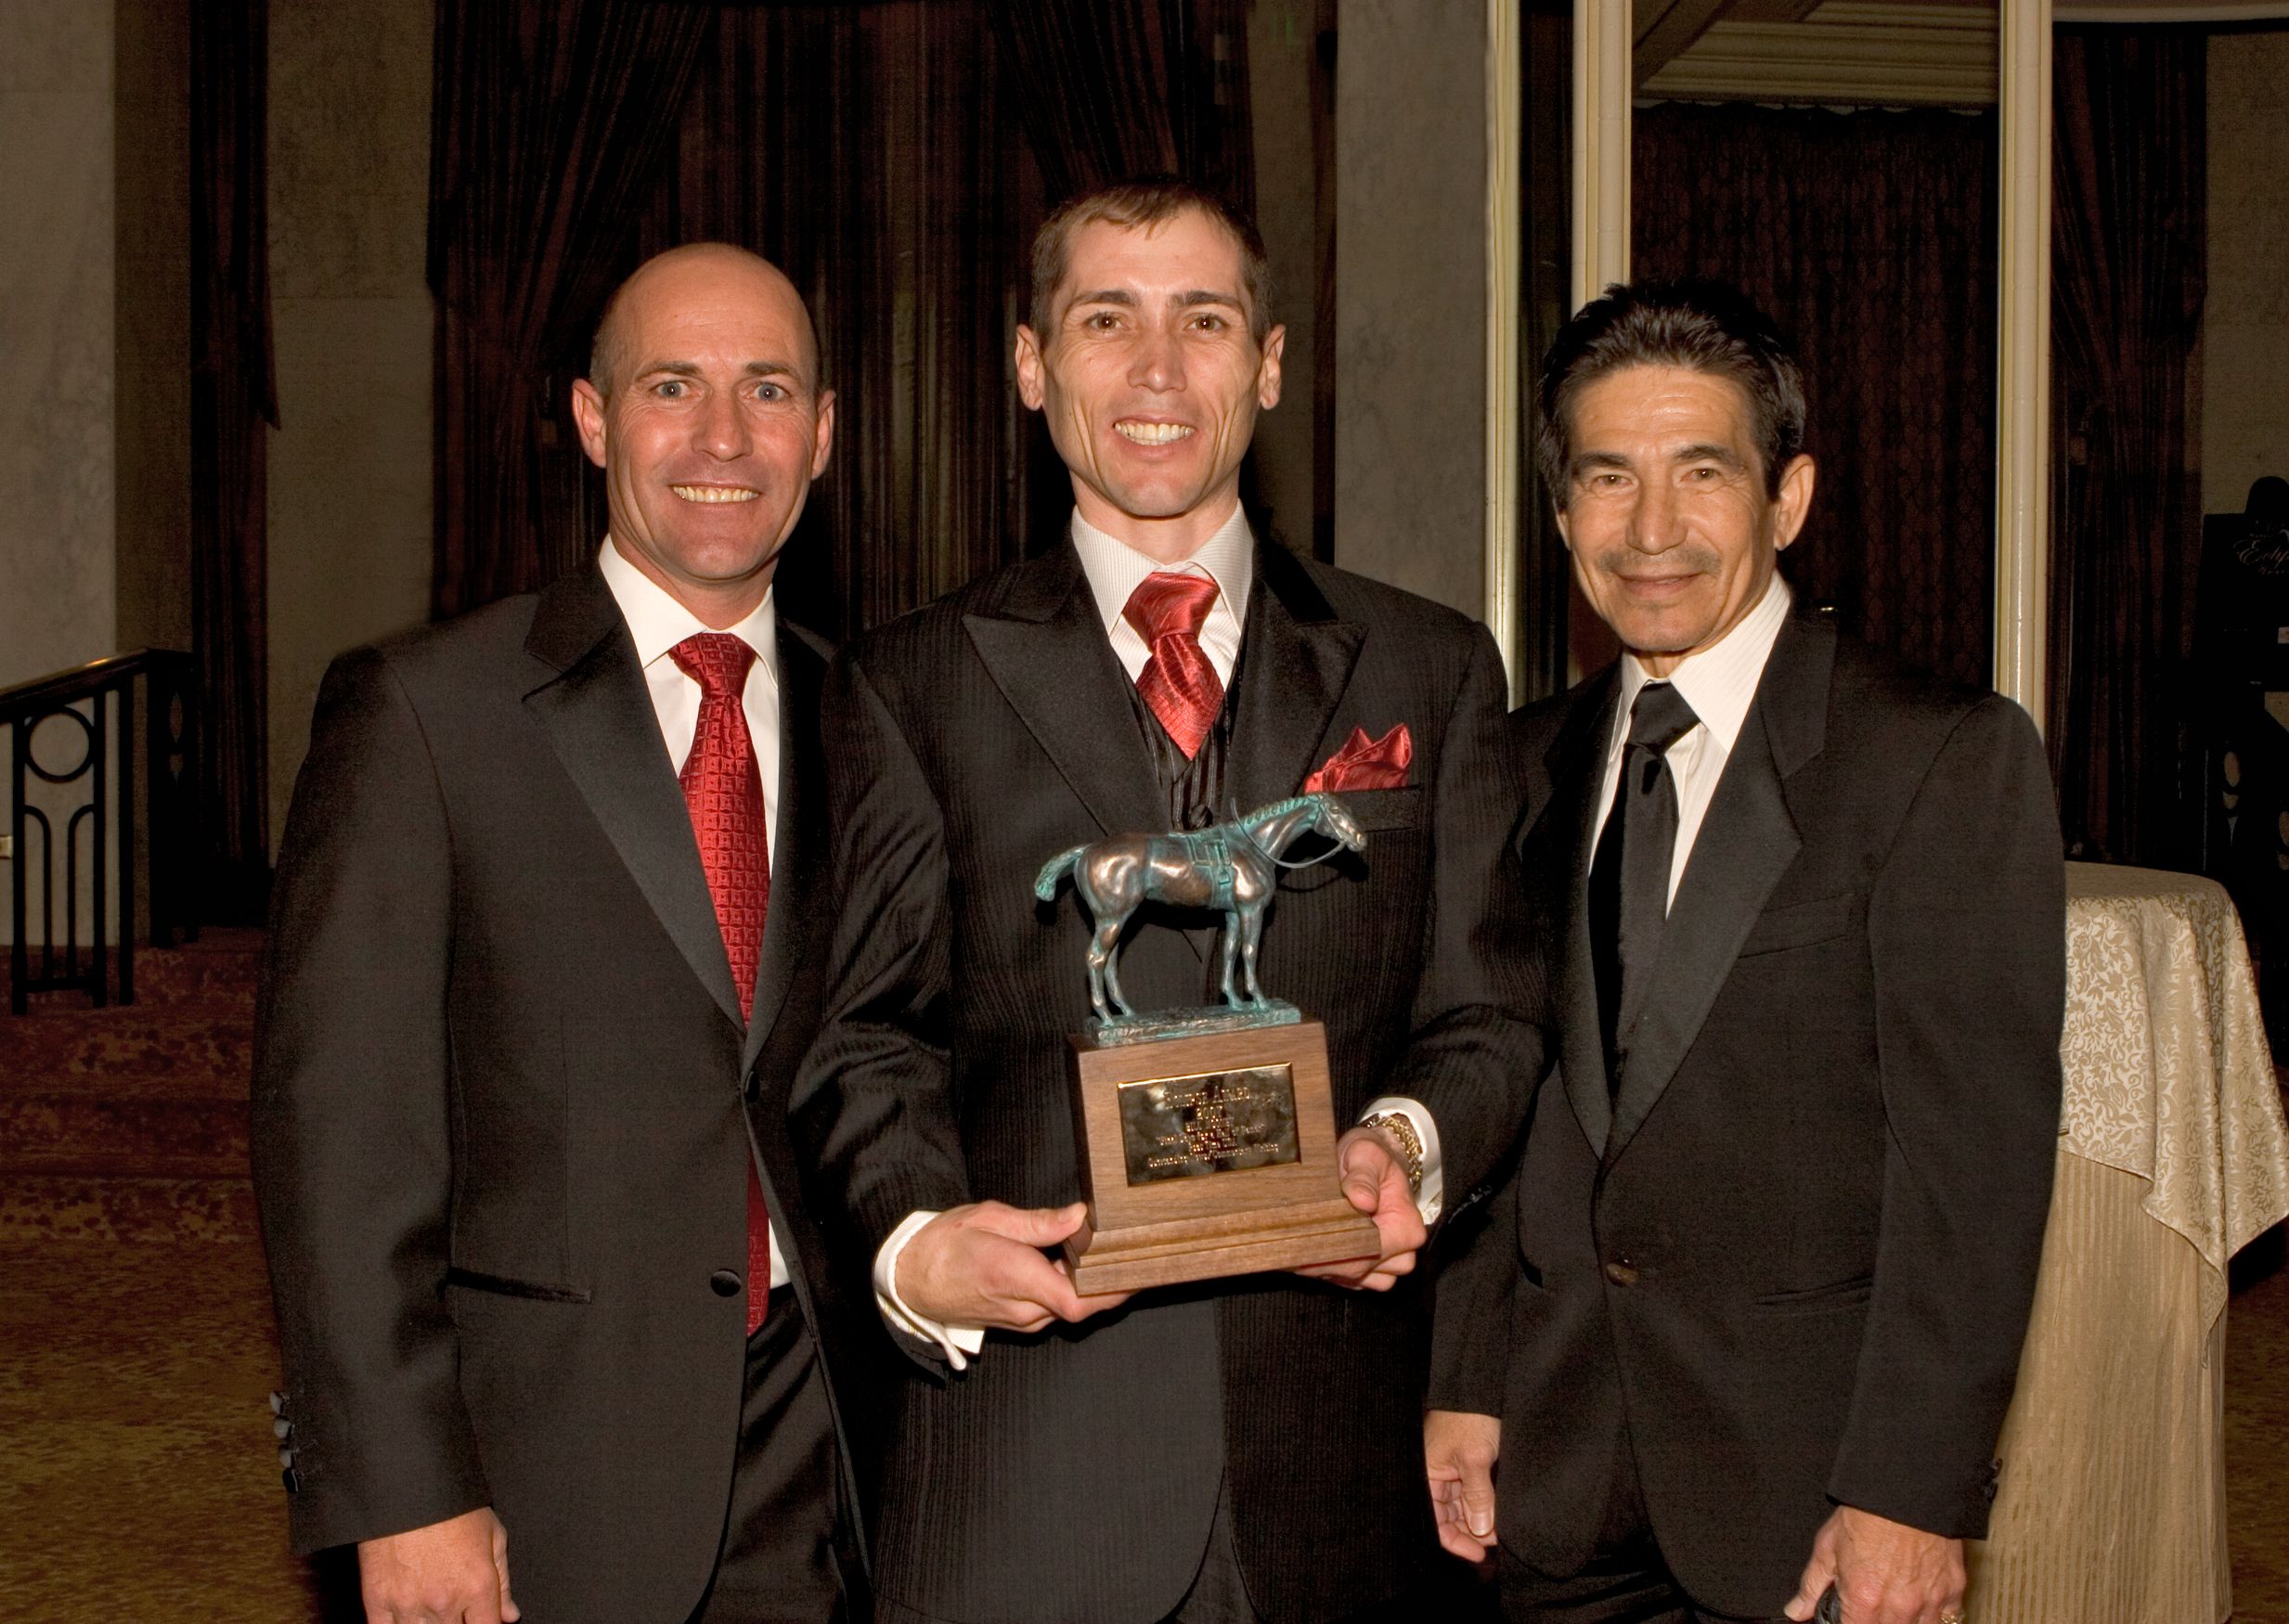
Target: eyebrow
(1585, 460)
(1723, 456)
(1123, 297)
(693, 370)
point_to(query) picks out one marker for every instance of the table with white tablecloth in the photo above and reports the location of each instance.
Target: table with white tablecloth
(2172, 1155)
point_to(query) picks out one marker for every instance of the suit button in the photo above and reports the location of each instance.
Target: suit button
(725, 1283)
(293, 1480)
(1623, 1272)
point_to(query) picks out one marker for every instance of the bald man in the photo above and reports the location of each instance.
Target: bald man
(543, 954)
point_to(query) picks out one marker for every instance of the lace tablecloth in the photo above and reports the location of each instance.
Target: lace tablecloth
(2167, 1074)
(2172, 1155)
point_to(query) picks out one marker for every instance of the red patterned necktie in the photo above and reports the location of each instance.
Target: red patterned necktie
(1177, 682)
(724, 791)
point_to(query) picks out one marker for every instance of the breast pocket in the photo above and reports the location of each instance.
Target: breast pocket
(1800, 924)
(1384, 809)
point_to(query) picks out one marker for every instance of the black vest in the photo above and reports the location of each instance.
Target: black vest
(1194, 787)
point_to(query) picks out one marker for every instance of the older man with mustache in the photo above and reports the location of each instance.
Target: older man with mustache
(1746, 1323)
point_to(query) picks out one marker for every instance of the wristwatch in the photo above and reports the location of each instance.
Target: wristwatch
(1402, 1128)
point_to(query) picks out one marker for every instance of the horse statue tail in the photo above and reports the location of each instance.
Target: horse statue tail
(1045, 882)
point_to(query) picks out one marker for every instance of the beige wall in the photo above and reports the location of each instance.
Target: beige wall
(57, 458)
(56, 452)
(350, 489)
(1411, 295)
(2245, 323)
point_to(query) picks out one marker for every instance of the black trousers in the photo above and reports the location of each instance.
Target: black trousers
(786, 1539)
(1625, 1581)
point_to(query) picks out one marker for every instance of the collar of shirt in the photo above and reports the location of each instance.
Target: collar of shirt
(1114, 570)
(1719, 682)
(658, 623)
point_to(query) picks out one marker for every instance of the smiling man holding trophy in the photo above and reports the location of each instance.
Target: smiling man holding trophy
(1161, 705)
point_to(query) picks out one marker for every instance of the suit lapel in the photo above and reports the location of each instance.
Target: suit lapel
(1577, 759)
(800, 857)
(1297, 661)
(1747, 840)
(1046, 650)
(599, 718)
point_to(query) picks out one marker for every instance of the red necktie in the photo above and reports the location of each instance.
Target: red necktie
(724, 793)
(1177, 682)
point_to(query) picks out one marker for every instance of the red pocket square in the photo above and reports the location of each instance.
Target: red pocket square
(1366, 764)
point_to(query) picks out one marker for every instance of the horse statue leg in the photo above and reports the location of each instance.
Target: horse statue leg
(1251, 935)
(1103, 968)
(1233, 928)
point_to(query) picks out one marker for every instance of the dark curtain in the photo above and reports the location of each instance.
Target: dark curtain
(1545, 138)
(1113, 88)
(891, 157)
(551, 124)
(872, 152)
(233, 403)
(1870, 236)
(2128, 268)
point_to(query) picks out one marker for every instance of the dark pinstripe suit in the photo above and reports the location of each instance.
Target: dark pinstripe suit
(1072, 1476)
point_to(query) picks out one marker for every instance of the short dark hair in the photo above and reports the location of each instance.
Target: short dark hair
(1132, 204)
(1703, 325)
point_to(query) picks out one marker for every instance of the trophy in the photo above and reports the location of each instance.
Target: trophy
(1207, 1135)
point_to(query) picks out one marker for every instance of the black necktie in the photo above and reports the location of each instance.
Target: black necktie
(1629, 878)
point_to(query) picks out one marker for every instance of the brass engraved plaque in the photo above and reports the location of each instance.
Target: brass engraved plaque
(1211, 1122)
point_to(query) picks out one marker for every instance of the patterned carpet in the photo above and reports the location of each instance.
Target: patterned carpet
(137, 1478)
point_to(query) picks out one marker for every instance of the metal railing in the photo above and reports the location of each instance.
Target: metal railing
(99, 835)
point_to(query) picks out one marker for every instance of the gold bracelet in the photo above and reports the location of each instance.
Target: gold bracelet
(1401, 1127)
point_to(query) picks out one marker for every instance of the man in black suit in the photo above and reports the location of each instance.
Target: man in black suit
(544, 957)
(1245, 1449)
(1747, 1319)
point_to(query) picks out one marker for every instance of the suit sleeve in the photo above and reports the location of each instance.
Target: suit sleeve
(352, 1126)
(1471, 1307)
(1476, 1051)
(873, 1095)
(1968, 944)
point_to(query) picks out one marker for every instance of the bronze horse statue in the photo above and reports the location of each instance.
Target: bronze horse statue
(1231, 866)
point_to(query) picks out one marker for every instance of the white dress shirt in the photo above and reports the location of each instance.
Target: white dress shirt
(658, 623)
(1114, 571)
(1718, 683)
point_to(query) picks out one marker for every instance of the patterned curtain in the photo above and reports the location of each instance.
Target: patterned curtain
(1870, 236)
(2128, 272)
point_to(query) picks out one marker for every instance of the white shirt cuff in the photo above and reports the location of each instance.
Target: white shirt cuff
(1431, 1198)
(958, 1341)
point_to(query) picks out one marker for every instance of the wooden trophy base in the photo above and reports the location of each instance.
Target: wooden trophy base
(1208, 1156)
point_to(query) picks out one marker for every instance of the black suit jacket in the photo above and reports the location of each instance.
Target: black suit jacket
(502, 1099)
(1798, 1248)
(1072, 1476)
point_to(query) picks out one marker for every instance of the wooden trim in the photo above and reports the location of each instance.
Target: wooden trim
(2023, 360)
(1505, 292)
(1861, 53)
(1602, 48)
